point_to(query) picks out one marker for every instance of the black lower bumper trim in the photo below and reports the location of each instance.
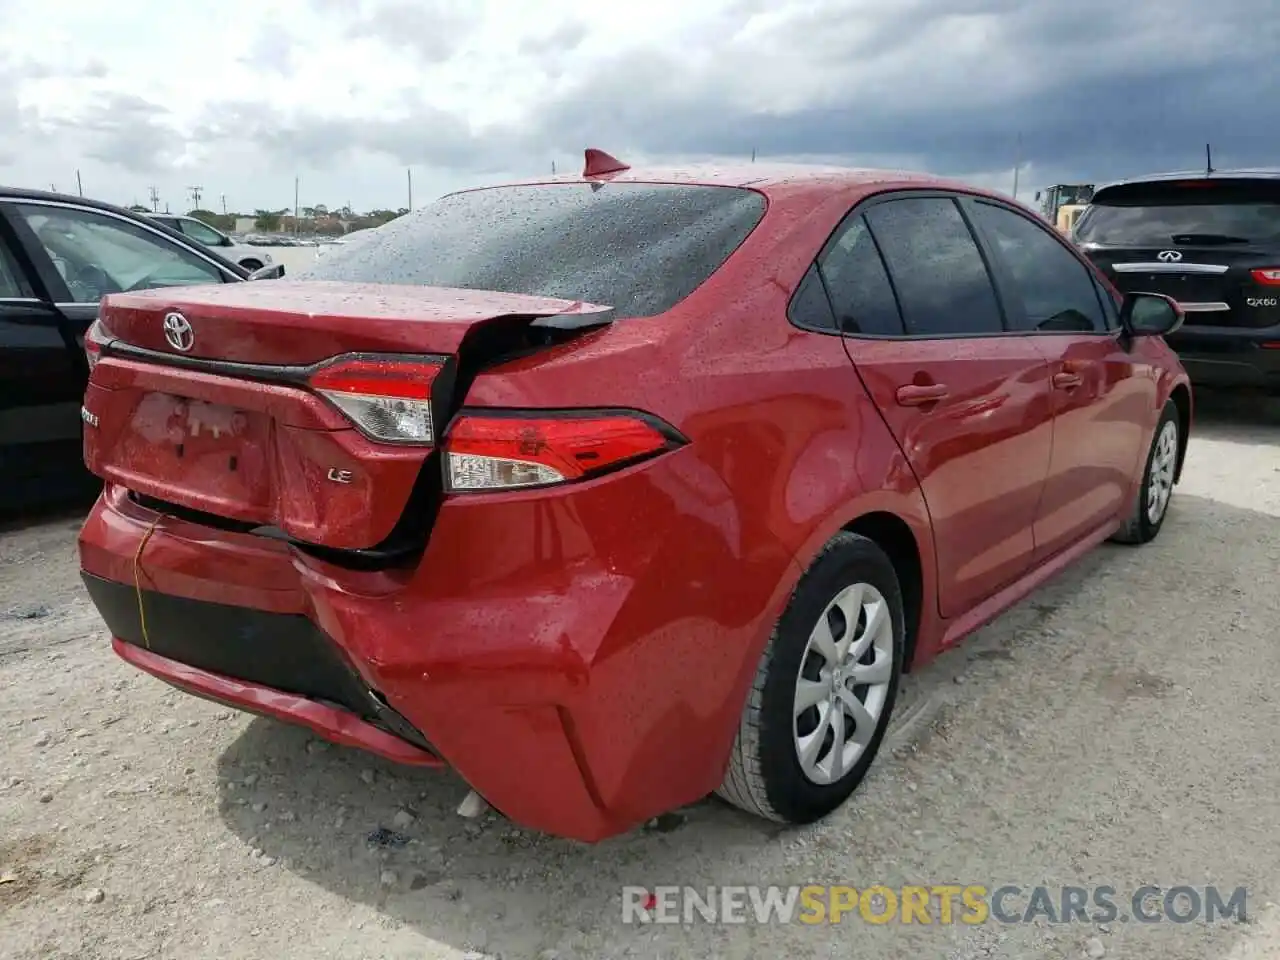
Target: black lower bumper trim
(285, 652)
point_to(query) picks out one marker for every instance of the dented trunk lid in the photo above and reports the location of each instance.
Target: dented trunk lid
(202, 399)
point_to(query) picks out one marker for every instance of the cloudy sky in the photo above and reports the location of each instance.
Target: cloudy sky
(239, 96)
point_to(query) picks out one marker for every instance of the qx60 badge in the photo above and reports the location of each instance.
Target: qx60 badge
(177, 330)
(1169, 256)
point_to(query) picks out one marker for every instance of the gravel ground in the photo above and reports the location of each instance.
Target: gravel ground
(1116, 728)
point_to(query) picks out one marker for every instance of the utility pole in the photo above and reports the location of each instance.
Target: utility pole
(79, 184)
(1208, 160)
(753, 154)
(1017, 165)
(195, 196)
(408, 171)
(553, 168)
(295, 206)
(224, 204)
(155, 200)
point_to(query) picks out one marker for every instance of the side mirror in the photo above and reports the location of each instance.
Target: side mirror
(272, 271)
(1150, 314)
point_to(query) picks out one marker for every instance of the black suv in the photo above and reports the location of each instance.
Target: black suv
(1210, 241)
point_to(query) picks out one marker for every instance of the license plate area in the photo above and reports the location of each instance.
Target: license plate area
(209, 450)
(1184, 289)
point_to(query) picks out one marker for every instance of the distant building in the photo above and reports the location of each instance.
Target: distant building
(244, 225)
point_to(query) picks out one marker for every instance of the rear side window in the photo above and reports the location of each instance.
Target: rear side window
(1191, 212)
(942, 282)
(1056, 290)
(860, 291)
(810, 307)
(201, 233)
(639, 248)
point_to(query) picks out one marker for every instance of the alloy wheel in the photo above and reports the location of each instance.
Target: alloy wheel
(843, 684)
(1164, 460)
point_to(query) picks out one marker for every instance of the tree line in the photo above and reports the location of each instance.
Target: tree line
(318, 220)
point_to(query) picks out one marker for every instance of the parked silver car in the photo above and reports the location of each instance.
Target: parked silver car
(251, 258)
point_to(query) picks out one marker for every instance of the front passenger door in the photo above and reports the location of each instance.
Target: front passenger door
(968, 403)
(1101, 399)
(40, 390)
(95, 252)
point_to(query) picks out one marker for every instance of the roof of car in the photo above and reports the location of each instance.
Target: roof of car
(1248, 173)
(798, 185)
(21, 193)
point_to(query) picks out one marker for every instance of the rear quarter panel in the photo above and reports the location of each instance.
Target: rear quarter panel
(786, 449)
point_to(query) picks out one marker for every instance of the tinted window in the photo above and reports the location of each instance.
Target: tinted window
(1160, 214)
(12, 282)
(98, 254)
(639, 248)
(1157, 226)
(860, 290)
(809, 306)
(942, 283)
(1056, 289)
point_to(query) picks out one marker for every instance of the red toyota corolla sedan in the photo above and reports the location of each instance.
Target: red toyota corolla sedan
(615, 490)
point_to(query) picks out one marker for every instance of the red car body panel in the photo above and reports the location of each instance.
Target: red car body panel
(581, 653)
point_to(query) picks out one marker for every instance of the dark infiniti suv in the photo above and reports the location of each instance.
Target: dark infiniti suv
(1212, 242)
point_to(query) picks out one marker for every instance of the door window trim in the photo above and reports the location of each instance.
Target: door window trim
(13, 203)
(888, 196)
(996, 269)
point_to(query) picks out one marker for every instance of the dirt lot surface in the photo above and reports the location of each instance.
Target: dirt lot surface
(1117, 728)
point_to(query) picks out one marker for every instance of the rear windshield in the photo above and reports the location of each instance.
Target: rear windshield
(639, 248)
(1189, 214)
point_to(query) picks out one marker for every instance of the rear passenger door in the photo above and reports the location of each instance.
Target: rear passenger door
(968, 402)
(1102, 401)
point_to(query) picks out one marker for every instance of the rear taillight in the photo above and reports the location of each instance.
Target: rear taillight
(1267, 276)
(388, 398)
(507, 452)
(94, 340)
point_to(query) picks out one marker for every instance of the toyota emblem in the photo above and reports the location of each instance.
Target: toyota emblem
(1169, 256)
(178, 332)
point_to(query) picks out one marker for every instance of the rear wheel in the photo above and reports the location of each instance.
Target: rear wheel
(1152, 503)
(824, 689)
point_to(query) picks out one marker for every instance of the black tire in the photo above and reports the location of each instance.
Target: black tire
(1139, 527)
(251, 265)
(765, 776)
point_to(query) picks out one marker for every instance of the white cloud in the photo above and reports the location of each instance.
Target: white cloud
(241, 97)
(128, 92)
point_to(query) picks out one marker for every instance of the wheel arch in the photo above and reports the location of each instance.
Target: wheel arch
(895, 537)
